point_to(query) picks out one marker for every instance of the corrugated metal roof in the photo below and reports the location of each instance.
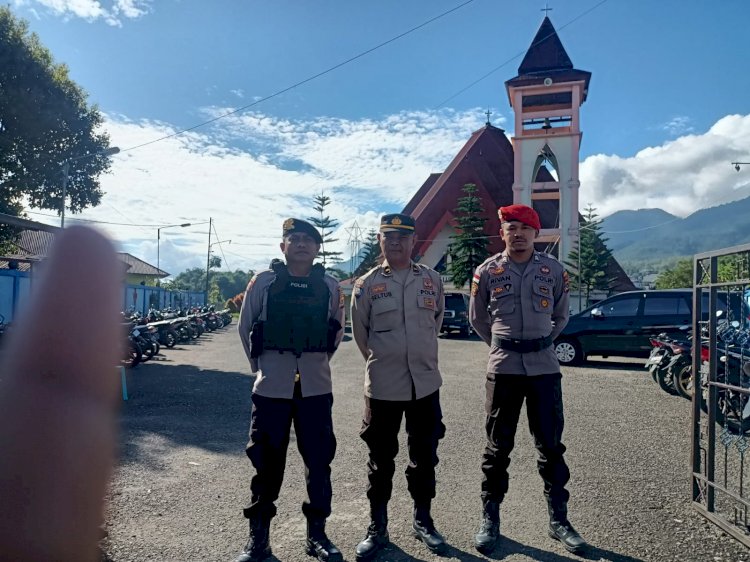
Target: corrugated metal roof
(35, 243)
(140, 267)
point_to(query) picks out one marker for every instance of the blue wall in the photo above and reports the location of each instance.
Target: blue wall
(16, 286)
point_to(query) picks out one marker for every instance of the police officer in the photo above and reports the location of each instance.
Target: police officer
(397, 310)
(519, 305)
(290, 325)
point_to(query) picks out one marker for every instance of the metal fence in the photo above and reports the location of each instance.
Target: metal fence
(721, 397)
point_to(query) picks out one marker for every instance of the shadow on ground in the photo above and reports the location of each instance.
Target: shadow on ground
(185, 405)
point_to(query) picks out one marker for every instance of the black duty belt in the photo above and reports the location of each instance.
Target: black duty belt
(522, 346)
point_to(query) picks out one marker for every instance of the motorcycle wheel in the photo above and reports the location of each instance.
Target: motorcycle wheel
(171, 339)
(683, 381)
(134, 355)
(664, 380)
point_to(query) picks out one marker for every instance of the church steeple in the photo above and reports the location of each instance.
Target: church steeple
(546, 52)
(546, 97)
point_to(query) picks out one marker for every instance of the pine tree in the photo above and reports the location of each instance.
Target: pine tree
(325, 225)
(589, 260)
(370, 254)
(469, 246)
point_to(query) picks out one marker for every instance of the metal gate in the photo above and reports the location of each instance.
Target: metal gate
(721, 384)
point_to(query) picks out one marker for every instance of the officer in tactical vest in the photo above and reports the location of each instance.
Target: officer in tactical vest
(519, 305)
(397, 310)
(290, 325)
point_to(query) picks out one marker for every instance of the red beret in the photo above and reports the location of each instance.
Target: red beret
(520, 213)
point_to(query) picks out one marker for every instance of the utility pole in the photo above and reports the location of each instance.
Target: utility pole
(208, 256)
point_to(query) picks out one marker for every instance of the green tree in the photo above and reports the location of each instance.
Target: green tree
(222, 284)
(370, 254)
(44, 120)
(469, 243)
(677, 277)
(589, 260)
(325, 225)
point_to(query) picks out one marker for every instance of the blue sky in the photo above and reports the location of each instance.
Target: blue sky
(667, 111)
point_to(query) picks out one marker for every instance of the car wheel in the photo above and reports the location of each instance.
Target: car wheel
(568, 352)
(465, 332)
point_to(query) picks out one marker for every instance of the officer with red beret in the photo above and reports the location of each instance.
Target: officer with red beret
(519, 305)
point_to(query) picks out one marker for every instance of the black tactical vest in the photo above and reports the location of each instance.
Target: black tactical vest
(297, 312)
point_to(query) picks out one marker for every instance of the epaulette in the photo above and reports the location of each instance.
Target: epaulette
(488, 260)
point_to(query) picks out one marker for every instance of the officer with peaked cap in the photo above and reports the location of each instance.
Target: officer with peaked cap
(290, 325)
(519, 305)
(397, 311)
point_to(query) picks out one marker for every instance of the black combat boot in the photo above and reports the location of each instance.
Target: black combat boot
(258, 546)
(560, 529)
(489, 530)
(424, 528)
(318, 544)
(377, 533)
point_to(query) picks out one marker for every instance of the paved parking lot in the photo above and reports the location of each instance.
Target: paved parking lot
(183, 477)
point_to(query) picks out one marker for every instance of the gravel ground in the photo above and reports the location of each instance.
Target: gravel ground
(183, 477)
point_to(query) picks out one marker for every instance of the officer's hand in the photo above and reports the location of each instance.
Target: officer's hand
(58, 396)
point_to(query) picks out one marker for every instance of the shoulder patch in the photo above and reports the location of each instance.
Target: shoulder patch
(474, 288)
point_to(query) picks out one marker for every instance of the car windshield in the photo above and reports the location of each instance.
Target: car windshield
(454, 302)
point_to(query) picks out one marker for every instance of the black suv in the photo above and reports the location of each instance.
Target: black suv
(456, 315)
(621, 325)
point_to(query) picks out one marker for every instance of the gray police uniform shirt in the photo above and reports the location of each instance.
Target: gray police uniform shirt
(395, 326)
(516, 303)
(275, 372)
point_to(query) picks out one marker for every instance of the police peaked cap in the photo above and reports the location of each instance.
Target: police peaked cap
(296, 225)
(396, 222)
(520, 213)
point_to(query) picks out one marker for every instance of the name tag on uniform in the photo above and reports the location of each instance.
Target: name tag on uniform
(378, 289)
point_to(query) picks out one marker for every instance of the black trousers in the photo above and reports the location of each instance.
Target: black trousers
(424, 429)
(544, 408)
(270, 424)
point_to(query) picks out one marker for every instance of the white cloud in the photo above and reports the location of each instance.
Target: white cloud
(239, 92)
(677, 126)
(250, 171)
(681, 176)
(366, 167)
(112, 12)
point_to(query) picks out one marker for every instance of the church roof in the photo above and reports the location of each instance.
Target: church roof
(486, 160)
(547, 58)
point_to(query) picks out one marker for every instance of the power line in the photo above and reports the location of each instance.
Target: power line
(305, 81)
(514, 57)
(213, 225)
(108, 222)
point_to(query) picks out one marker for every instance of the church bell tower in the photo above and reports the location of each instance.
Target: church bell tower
(546, 97)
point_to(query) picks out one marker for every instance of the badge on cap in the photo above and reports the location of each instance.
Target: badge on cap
(288, 225)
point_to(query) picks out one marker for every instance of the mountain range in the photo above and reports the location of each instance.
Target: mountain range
(648, 237)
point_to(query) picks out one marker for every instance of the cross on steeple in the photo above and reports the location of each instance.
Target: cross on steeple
(546, 9)
(488, 113)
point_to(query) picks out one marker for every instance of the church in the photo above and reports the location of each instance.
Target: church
(539, 168)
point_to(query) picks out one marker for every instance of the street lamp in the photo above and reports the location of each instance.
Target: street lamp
(158, 240)
(66, 174)
(737, 165)
(208, 261)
